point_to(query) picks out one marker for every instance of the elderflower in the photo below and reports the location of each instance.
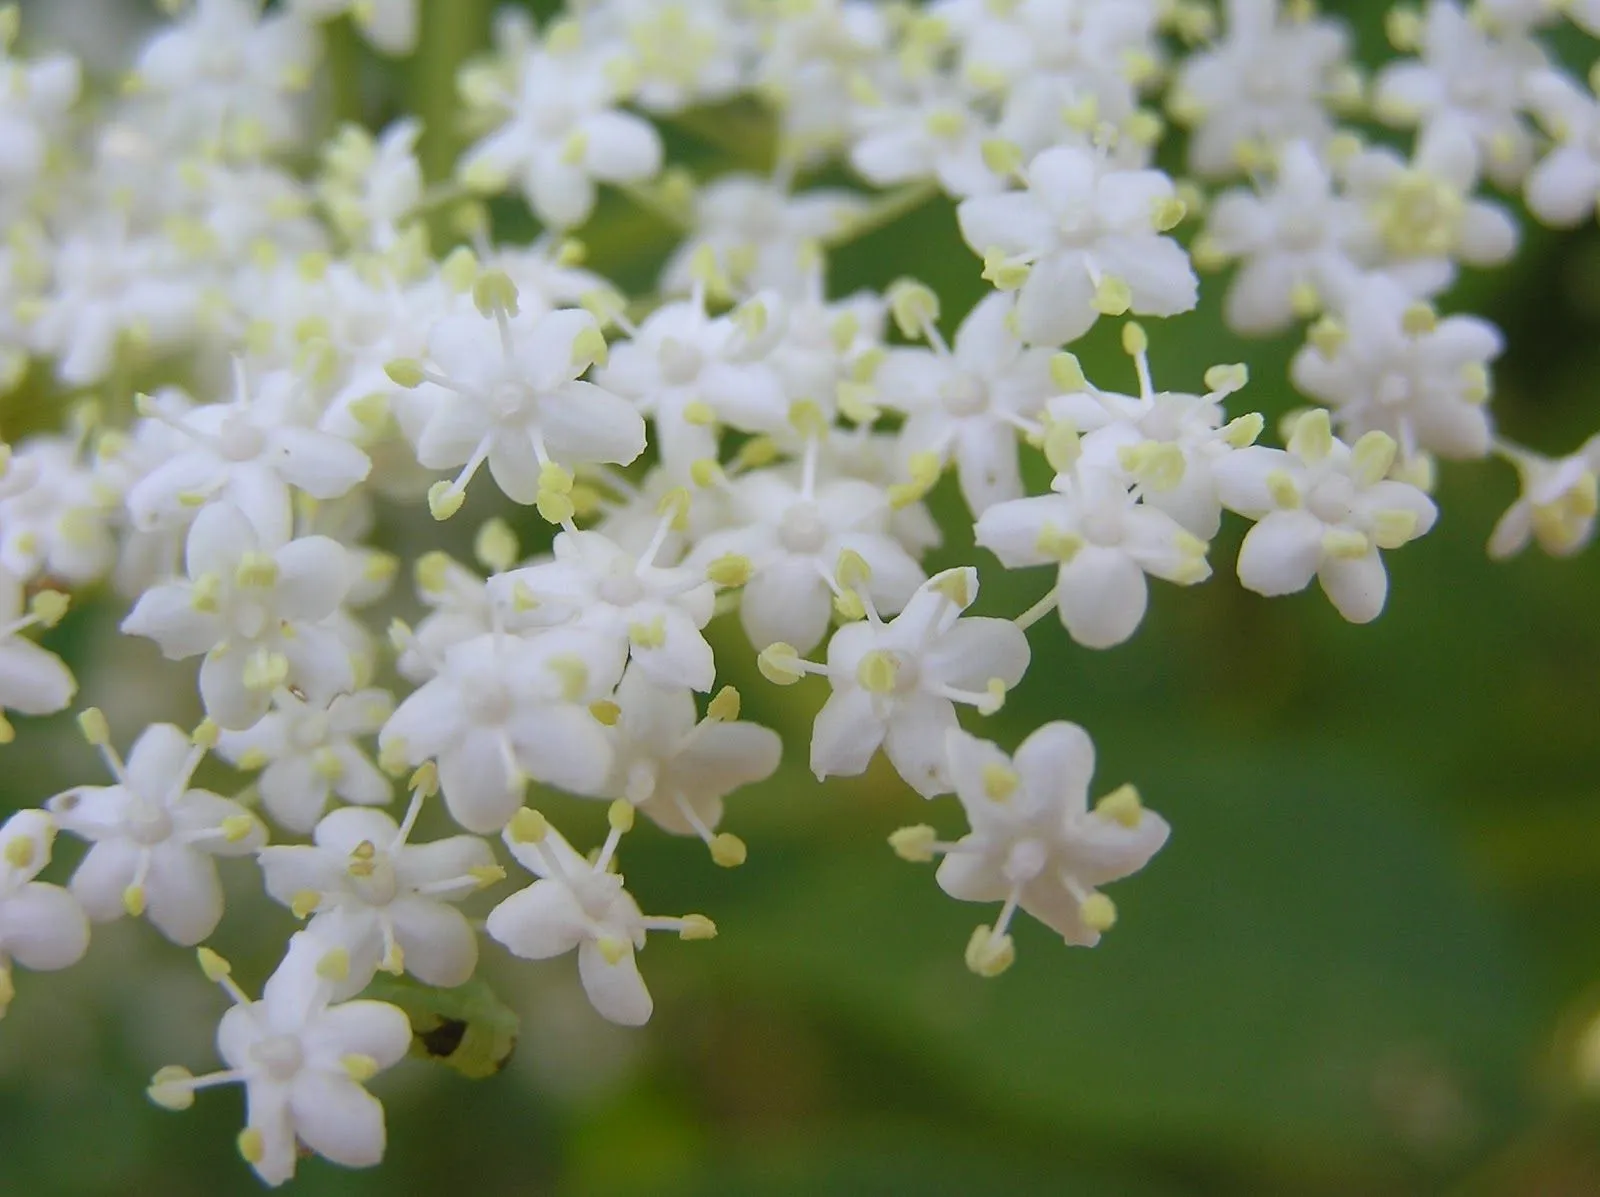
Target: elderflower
(42, 926)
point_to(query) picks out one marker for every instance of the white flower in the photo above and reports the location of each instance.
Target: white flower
(1086, 238)
(42, 926)
(259, 612)
(786, 543)
(501, 710)
(154, 837)
(690, 371)
(1387, 363)
(35, 96)
(247, 452)
(562, 132)
(390, 25)
(758, 233)
(1562, 189)
(966, 402)
(1035, 844)
(895, 684)
(1421, 215)
(927, 127)
(578, 903)
(650, 614)
(1468, 79)
(55, 513)
(1102, 539)
(506, 393)
(1324, 510)
(371, 186)
(676, 769)
(33, 681)
(303, 1063)
(1292, 239)
(1556, 505)
(385, 901)
(307, 754)
(225, 77)
(679, 52)
(1269, 81)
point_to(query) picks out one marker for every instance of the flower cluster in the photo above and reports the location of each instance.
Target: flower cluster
(258, 365)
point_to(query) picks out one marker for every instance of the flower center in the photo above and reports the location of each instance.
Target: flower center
(681, 362)
(488, 702)
(149, 823)
(239, 439)
(508, 398)
(621, 590)
(280, 1056)
(802, 530)
(964, 395)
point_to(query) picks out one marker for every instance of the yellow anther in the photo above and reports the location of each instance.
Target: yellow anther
(1345, 544)
(956, 585)
(914, 306)
(1475, 385)
(1243, 430)
(1067, 373)
(1312, 438)
(604, 304)
(605, 711)
(699, 413)
(171, 1089)
(1305, 301)
(303, 904)
(495, 545)
(756, 452)
(1372, 457)
(1112, 297)
(850, 605)
(779, 664)
(1159, 465)
(425, 780)
(1057, 544)
(1226, 379)
(555, 478)
(432, 572)
(487, 875)
(854, 401)
(988, 954)
(237, 828)
(444, 500)
(843, 331)
(1393, 528)
(252, 1145)
(460, 270)
(1004, 272)
(1405, 27)
(915, 843)
(335, 966)
(572, 673)
(807, 418)
(706, 471)
(393, 756)
(724, 706)
(252, 759)
(264, 671)
(49, 607)
(1419, 319)
(574, 147)
(1281, 487)
(612, 949)
(852, 569)
(1168, 213)
(20, 852)
(92, 723)
(358, 1067)
(727, 850)
(495, 292)
(995, 696)
(1002, 157)
(528, 826)
(215, 968)
(619, 815)
(1134, 339)
(751, 318)
(1327, 336)
(256, 569)
(697, 926)
(878, 671)
(1122, 805)
(554, 507)
(589, 348)
(1098, 912)
(1000, 781)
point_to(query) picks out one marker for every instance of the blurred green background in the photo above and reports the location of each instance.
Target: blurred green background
(1358, 968)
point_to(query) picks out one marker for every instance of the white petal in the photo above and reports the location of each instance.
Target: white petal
(617, 990)
(1356, 587)
(1102, 596)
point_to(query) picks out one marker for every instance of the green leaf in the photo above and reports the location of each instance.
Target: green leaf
(467, 1028)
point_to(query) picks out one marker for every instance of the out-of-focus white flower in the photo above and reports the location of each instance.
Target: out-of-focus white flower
(895, 684)
(1383, 361)
(579, 903)
(1324, 509)
(56, 515)
(307, 754)
(390, 25)
(371, 186)
(678, 53)
(33, 680)
(1083, 240)
(385, 901)
(1469, 80)
(1269, 81)
(303, 1061)
(154, 838)
(562, 133)
(35, 96)
(42, 926)
(1035, 844)
(1562, 189)
(1556, 505)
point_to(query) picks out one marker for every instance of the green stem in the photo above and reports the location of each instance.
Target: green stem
(886, 210)
(450, 34)
(342, 66)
